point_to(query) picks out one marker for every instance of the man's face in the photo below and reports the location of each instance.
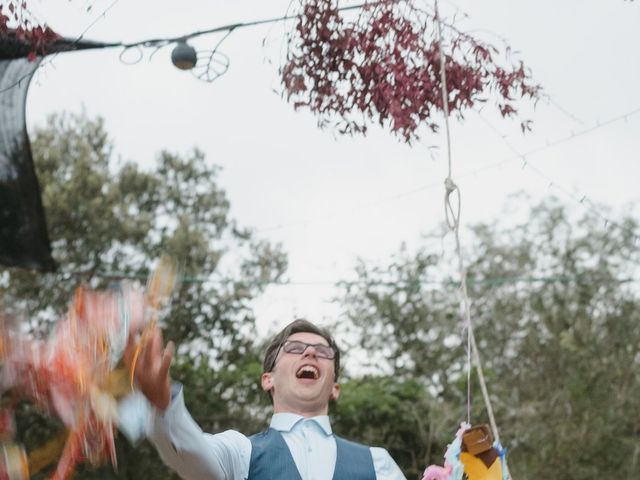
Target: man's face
(302, 383)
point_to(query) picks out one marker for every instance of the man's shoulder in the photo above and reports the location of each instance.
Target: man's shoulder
(386, 467)
(259, 435)
(229, 440)
(230, 434)
(350, 442)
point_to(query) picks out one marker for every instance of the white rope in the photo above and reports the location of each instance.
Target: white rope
(453, 221)
(445, 95)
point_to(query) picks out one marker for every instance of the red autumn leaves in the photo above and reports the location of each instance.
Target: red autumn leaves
(26, 30)
(384, 67)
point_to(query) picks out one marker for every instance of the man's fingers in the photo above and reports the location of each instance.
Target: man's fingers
(167, 356)
(152, 368)
(152, 349)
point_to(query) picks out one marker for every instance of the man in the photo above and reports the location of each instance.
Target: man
(300, 373)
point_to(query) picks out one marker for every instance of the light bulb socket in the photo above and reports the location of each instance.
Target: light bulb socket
(184, 56)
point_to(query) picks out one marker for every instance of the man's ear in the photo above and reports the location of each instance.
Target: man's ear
(335, 392)
(266, 382)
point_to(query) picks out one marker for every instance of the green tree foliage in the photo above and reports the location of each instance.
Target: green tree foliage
(557, 319)
(109, 220)
(381, 410)
(553, 301)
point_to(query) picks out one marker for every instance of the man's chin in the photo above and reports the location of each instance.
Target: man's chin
(308, 381)
(312, 398)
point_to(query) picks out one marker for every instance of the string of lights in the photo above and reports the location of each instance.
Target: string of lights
(580, 199)
(48, 59)
(184, 56)
(524, 157)
(518, 156)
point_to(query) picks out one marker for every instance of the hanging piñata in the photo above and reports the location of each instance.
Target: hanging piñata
(472, 454)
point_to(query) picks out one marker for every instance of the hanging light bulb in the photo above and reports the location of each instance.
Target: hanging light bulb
(184, 56)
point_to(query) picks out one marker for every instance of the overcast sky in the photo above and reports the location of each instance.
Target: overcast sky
(332, 199)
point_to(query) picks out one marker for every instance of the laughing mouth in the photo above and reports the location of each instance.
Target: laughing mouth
(308, 372)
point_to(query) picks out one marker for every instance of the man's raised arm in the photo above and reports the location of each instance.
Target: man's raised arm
(181, 443)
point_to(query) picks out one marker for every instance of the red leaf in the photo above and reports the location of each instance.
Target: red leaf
(385, 67)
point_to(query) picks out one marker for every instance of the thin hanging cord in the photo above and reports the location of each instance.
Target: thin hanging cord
(443, 81)
(453, 214)
(453, 221)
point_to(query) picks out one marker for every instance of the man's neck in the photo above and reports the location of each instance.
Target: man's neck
(303, 412)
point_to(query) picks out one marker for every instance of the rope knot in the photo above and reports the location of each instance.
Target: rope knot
(452, 212)
(449, 185)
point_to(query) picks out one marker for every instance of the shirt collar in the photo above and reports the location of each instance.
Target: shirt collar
(284, 422)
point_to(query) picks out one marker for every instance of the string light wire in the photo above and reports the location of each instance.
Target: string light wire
(50, 58)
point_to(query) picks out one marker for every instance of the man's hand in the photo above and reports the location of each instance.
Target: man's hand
(152, 368)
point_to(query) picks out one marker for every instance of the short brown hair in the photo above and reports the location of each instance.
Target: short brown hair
(298, 326)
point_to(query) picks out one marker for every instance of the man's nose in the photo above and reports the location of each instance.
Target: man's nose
(309, 351)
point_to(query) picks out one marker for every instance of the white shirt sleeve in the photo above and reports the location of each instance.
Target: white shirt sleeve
(196, 455)
(385, 467)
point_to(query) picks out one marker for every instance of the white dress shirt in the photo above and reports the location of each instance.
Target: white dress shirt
(196, 455)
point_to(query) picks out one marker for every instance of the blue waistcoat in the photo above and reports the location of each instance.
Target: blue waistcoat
(272, 460)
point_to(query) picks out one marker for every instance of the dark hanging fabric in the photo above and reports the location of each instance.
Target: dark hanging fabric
(24, 241)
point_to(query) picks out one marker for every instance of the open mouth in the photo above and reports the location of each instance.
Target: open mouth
(308, 372)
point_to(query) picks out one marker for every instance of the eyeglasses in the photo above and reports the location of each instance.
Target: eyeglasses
(298, 348)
